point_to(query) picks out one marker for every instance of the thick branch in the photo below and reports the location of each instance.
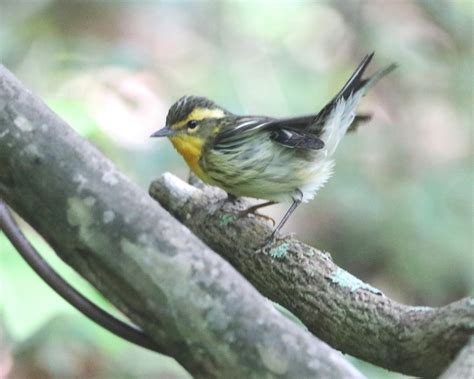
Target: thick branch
(64, 289)
(348, 314)
(191, 302)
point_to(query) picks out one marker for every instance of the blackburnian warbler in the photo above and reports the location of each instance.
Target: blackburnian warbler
(276, 159)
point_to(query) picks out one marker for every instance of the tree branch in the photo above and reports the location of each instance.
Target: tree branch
(64, 289)
(348, 314)
(192, 304)
(463, 365)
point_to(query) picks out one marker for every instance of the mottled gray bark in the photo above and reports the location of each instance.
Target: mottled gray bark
(191, 302)
(463, 365)
(348, 314)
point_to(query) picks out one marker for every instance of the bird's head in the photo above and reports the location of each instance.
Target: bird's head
(191, 116)
(192, 122)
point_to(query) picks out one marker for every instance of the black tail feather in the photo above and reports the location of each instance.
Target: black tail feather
(353, 85)
(355, 82)
(360, 118)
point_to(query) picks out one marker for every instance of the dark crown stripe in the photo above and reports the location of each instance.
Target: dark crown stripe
(185, 105)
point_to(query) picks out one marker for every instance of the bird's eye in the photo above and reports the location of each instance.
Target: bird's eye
(192, 124)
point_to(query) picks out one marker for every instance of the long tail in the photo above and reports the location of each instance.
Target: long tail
(340, 112)
(356, 83)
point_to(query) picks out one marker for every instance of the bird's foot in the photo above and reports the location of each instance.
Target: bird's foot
(269, 241)
(223, 202)
(254, 212)
(231, 199)
(275, 247)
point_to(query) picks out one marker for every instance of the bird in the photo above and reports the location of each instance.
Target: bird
(268, 158)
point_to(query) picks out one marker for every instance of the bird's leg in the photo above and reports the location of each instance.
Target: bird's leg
(223, 202)
(231, 198)
(296, 201)
(253, 210)
(285, 218)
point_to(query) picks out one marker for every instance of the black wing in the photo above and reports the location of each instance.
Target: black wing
(296, 139)
(238, 127)
(289, 132)
(297, 132)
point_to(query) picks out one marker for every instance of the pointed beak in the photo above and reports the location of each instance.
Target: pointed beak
(164, 132)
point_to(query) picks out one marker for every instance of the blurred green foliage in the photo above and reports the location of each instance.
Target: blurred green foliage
(398, 211)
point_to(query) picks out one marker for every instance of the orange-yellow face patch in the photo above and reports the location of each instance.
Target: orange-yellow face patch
(199, 114)
(190, 147)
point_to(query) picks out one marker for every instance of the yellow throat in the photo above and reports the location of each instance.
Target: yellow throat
(190, 148)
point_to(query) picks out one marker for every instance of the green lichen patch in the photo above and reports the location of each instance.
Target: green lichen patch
(79, 212)
(279, 251)
(309, 253)
(227, 219)
(345, 279)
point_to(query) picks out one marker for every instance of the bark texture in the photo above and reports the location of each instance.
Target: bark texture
(345, 312)
(193, 304)
(463, 365)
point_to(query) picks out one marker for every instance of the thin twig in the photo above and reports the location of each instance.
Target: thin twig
(64, 289)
